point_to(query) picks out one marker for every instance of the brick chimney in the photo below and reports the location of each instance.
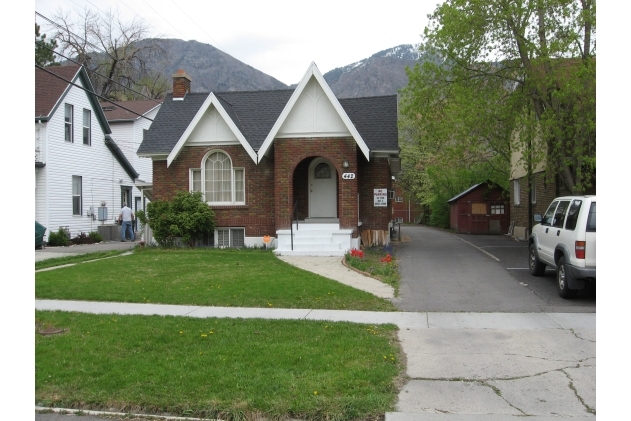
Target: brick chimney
(181, 84)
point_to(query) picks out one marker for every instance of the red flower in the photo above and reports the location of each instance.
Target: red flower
(387, 259)
(357, 253)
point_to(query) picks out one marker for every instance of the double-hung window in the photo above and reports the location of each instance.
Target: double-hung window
(222, 183)
(87, 127)
(68, 117)
(76, 195)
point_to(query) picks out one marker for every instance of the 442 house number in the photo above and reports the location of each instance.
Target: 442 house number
(348, 176)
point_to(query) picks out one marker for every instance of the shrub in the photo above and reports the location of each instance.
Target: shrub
(59, 238)
(95, 236)
(185, 216)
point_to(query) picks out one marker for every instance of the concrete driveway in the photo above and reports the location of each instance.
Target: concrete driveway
(446, 272)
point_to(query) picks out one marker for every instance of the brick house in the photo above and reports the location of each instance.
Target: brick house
(300, 166)
(405, 207)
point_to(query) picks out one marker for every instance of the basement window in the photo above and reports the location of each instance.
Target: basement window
(230, 237)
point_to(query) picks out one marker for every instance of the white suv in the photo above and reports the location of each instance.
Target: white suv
(565, 239)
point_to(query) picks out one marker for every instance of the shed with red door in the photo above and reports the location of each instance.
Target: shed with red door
(481, 209)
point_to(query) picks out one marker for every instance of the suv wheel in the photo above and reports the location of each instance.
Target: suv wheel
(536, 267)
(563, 275)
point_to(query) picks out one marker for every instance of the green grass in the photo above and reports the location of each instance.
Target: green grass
(58, 261)
(207, 277)
(371, 263)
(231, 369)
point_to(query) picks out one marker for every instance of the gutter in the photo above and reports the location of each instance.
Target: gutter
(120, 157)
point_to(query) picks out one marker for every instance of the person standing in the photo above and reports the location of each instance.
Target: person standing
(127, 216)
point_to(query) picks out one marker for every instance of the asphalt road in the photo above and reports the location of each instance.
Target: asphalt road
(446, 272)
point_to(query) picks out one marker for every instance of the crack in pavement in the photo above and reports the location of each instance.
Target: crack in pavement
(576, 335)
(580, 399)
(498, 392)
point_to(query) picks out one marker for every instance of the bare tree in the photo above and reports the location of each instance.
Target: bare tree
(115, 52)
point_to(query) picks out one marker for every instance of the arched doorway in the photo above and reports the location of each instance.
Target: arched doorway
(322, 189)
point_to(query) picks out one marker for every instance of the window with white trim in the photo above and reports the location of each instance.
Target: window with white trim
(516, 191)
(222, 183)
(68, 119)
(398, 219)
(76, 195)
(196, 179)
(87, 127)
(230, 237)
(399, 199)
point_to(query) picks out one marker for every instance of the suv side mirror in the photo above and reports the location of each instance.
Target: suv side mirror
(537, 217)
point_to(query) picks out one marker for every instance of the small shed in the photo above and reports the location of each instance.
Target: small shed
(481, 209)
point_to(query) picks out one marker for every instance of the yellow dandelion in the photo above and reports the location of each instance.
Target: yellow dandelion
(181, 332)
(315, 392)
(204, 335)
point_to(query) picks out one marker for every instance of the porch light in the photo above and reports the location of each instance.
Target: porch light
(345, 163)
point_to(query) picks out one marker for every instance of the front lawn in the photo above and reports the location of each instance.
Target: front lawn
(229, 369)
(86, 257)
(205, 277)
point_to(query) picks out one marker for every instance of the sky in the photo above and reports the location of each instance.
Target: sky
(277, 37)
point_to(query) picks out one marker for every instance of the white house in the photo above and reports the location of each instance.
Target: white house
(80, 171)
(129, 120)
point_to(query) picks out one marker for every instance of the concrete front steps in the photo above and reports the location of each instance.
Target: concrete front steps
(314, 238)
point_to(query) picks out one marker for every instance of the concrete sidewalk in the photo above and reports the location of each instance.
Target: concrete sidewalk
(461, 366)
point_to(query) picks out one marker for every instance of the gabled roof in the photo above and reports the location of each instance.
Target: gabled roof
(212, 100)
(470, 189)
(313, 72)
(114, 113)
(254, 115)
(50, 91)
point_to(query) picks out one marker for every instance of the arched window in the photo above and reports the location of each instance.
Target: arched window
(220, 182)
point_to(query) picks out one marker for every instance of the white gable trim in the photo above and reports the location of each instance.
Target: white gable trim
(313, 71)
(211, 100)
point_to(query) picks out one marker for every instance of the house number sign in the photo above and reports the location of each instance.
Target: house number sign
(348, 176)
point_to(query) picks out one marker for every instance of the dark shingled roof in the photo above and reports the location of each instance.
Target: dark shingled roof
(255, 113)
(375, 118)
(48, 88)
(113, 112)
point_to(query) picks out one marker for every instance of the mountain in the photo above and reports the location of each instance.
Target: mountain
(211, 69)
(383, 73)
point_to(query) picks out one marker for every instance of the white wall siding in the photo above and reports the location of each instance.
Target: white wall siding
(128, 136)
(100, 171)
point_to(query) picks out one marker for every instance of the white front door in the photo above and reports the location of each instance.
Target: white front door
(322, 189)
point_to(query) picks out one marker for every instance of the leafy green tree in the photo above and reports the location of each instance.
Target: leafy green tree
(44, 55)
(508, 76)
(185, 216)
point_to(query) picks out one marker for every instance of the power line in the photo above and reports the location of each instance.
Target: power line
(183, 36)
(202, 29)
(97, 73)
(92, 92)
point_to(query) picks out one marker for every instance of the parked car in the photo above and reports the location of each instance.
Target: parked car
(565, 239)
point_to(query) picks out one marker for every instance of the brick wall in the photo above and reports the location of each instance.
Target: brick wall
(290, 158)
(545, 191)
(374, 175)
(276, 183)
(257, 215)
